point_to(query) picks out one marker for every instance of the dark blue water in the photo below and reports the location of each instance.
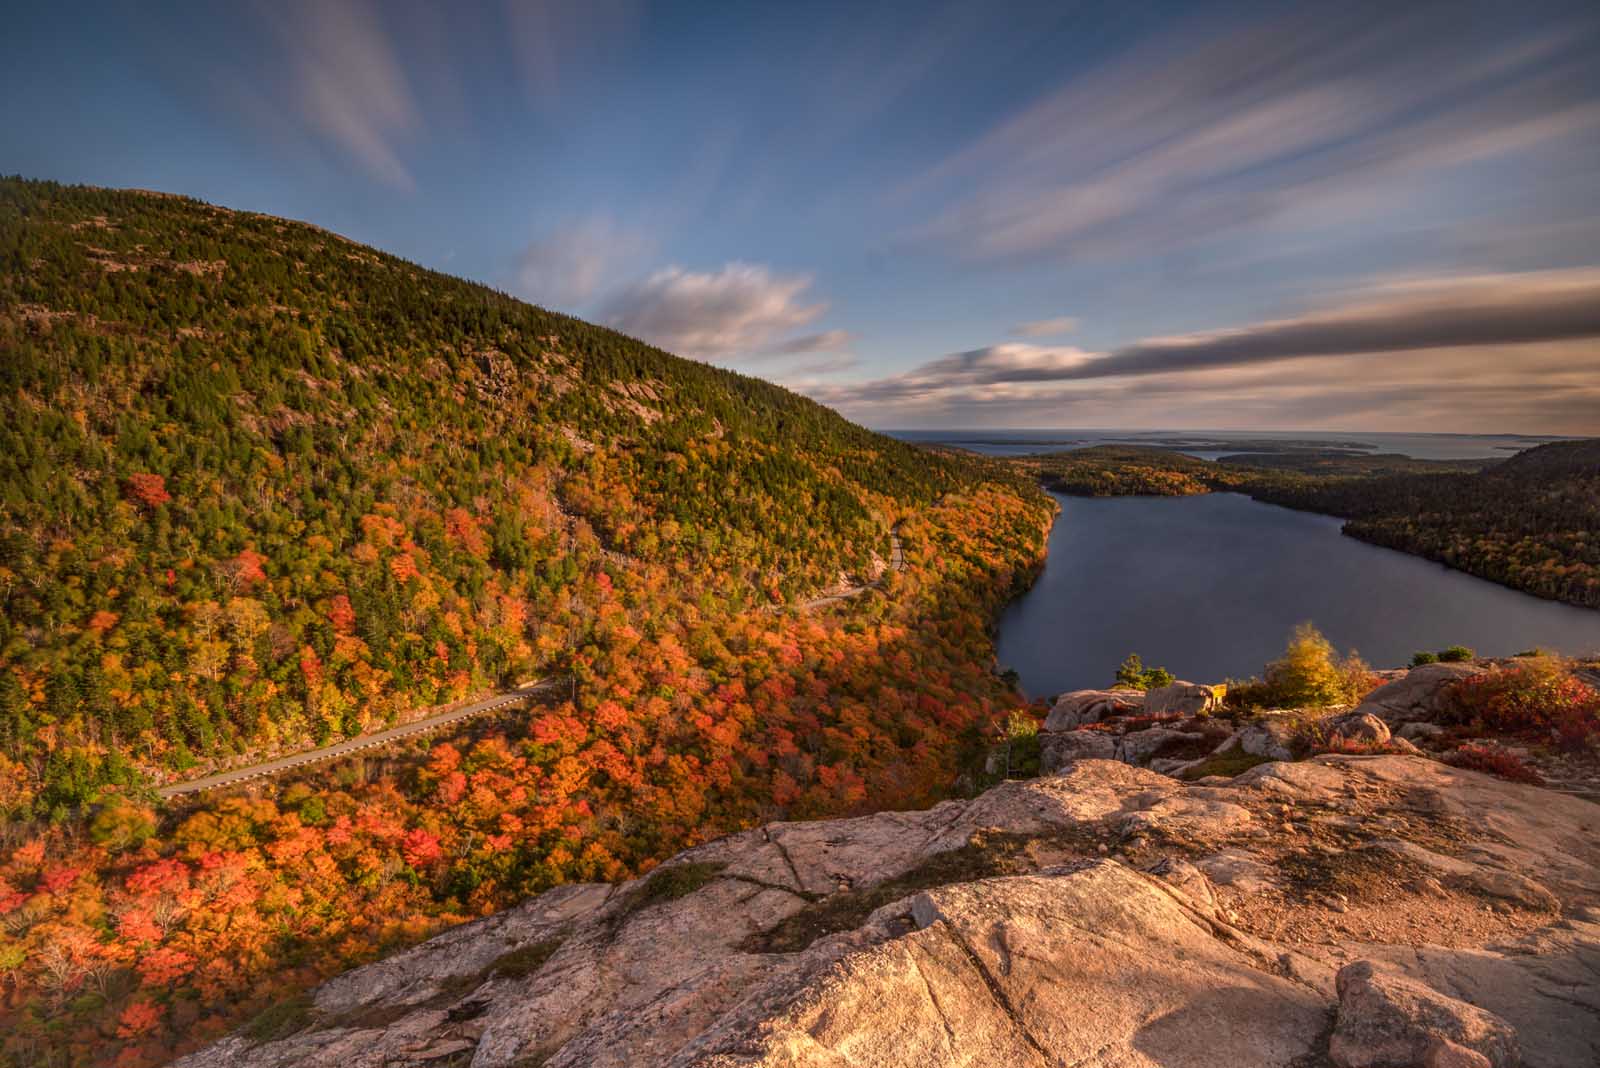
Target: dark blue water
(1210, 586)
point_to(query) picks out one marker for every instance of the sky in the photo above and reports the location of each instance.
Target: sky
(1342, 216)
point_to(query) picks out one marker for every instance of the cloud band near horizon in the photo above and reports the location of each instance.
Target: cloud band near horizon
(1542, 306)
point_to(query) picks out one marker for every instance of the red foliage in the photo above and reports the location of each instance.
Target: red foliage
(684, 721)
(162, 967)
(58, 878)
(1536, 696)
(1494, 760)
(163, 876)
(341, 616)
(138, 1019)
(247, 567)
(420, 848)
(461, 527)
(147, 490)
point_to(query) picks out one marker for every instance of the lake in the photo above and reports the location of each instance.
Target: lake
(1210, 586)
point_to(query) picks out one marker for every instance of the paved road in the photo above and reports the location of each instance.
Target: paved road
(365, 742)
(897, 562)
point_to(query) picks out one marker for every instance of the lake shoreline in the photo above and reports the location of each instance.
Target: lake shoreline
(1224, 596)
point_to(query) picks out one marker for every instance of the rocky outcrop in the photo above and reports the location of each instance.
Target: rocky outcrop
(1183, 699)
(1358, 728)
(1419, 694)
(1271, 737)
(1389, 1020)
(1150, 746)
(1107, 916)
(1154, 728)
(1082, 707)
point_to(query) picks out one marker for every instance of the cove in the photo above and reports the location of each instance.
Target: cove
(1210, 586)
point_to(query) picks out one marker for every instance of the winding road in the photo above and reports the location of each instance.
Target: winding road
(897, 562)
(366, 741)
(269, 768)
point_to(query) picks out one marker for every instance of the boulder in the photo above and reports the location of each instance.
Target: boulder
(1081, 707)
(1183, 699)
(1271, 737)
(1357, 728)
(1387, 1021)
(1139, 747)
(1059, 749)
(1417, 730)
(1443, 1053)
(1420, 695)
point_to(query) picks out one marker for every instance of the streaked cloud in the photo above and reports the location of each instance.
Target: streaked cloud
(1462, 312)
(1064, 324)
(1532, 338)
(347, 83)
(742, 308)
(1295, 123)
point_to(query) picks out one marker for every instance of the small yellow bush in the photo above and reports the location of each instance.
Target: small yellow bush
(1310, 673)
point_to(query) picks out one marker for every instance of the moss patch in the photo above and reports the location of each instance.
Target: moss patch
(280, 1020)
(675, 881)
(1233, 762)
(524, 960)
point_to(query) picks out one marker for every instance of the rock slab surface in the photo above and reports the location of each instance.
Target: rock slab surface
(1352, 910)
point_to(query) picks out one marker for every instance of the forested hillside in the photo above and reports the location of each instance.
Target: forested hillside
(1531, 522)
(262, 484)
(261, 487)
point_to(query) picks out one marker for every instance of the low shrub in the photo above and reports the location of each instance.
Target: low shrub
(1455, 654)
(1536, 695)
(1418, 659)
(1022, 749)
(1245, 695)
(1493, 760)
(1309, 674)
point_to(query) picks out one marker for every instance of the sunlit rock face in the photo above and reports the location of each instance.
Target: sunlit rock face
(1107, 915)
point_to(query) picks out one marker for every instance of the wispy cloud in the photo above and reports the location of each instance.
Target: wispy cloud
(1286, 123)
(740, 309)
(346, 82)
(1064, 324)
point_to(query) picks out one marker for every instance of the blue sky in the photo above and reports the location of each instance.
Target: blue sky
(1342, 216)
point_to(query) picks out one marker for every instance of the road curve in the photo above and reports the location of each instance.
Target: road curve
(897, 562)
(357, 745)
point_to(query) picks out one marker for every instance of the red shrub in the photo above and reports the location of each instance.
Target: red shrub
(1538, 695)
(1495, 761)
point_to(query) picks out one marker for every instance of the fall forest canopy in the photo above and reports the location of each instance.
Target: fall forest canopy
(262, 488)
